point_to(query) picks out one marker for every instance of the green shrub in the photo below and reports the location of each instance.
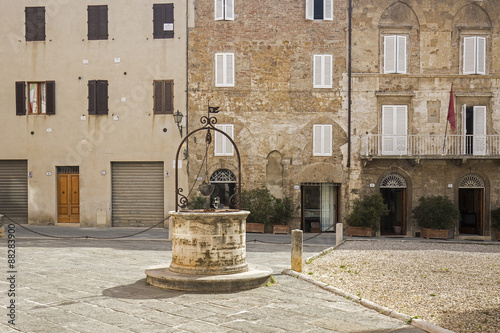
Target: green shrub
(260, 204)
(283, 210)
(367, 212)
(495, 218)
(197, 202)
(435, 212)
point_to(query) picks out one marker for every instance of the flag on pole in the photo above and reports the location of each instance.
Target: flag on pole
(451, 110)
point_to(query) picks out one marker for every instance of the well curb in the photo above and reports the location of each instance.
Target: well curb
(419, 323)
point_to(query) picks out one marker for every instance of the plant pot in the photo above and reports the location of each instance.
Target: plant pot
(435, 233)
(281, 229)
(359, 231)
(255, 227)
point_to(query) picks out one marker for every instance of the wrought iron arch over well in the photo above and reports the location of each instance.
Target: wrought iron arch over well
(208, 124)
(393, 180)
(471, 180)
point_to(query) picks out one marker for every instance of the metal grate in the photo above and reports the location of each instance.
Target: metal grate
(68, 170)
(393, 180)
(223, 176)
(472, 181)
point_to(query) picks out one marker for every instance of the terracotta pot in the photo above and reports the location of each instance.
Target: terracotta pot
(358, 231)
(256, 227)
(434, 233)
(281, 229)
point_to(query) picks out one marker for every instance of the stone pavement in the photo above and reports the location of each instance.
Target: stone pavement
(86, 285)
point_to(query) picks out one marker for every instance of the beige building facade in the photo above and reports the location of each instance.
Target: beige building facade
(407, 55)
(89, 89)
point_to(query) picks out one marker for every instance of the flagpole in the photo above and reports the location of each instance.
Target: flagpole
(445, 131)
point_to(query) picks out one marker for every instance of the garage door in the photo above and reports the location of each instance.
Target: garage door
(137, 193)
(14, 190)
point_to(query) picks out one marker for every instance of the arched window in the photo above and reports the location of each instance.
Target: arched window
(393, 180)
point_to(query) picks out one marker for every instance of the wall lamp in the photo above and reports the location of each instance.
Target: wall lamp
(178, 119)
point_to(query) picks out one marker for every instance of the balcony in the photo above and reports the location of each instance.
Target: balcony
(417, 147)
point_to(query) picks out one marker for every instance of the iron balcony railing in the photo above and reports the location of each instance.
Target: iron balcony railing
(379, 145)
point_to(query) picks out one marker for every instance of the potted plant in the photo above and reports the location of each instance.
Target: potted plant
(495, 222)
(260, 204)
(365, 215)
(283, 211)
(435, 215)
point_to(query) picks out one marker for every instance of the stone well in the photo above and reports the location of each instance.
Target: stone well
(209, 254)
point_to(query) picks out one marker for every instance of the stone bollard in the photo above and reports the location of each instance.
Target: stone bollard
(339, 233)
(297, 240)
(2, 229)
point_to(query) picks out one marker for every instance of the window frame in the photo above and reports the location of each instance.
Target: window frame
(165, 103)
(327, 10)
(326, 76)
(394, 136)
(227, 148)
(224, 10)
(98, 97)
(476, 49)
(320, 138)
(97, 22)
(397, 56)
(228, 74)
(35, 24)
(163, 17)
(24, 98)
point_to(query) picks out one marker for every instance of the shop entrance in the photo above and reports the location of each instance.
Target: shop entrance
(320, 204)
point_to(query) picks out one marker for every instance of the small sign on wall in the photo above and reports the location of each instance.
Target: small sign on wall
(168, 27)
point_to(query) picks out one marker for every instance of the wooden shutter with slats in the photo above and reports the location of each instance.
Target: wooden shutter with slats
(163, 97)
(102, 97)
(92, 97)
(328, 10)
(21, 98)
(35, 23)
(469, 60)
(50, 95)
(163, 20)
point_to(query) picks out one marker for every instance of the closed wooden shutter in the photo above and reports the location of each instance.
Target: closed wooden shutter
(20, 98)
(102, 97)
(224, 69)
(401, 55)
(479, 130)
(35, 23)
(137, 193)
(97, 22)
(394, 129)
(50, 95)
(469, 66)
(163, 20)
(390, 54)
(92, 97)
(322, 140)
(222, 146)
(163, 96)
(14, 189)
(481, 55)
(322, 71)
(229, 10)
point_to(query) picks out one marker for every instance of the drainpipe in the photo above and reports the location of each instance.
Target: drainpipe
(349, 74)
(187, 83)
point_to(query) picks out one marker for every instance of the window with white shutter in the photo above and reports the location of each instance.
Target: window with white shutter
(394, 129)
(224, 10)
(319, 10)
(322, 71)
(223, 146)
(224, 69)
(474, 55)
(322, 140)
(395, 54)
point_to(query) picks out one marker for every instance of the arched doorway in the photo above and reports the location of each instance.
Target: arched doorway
(471, 201)
(393, 190)
(225, 182)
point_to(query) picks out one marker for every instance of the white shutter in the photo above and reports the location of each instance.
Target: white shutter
(219, 69)
(229, 149)
(309, 9)
(328, 10)
(229, 9)
(469, 66)
(481, 55)
(219, 142)
(322, 71)
(229, 70)
(219, 9)
(387, 130)
(317, 71)
(327, 140)
(479, 130)
(327, 71)
(464, 129)
(317, 131)
(322, 140)
(401, 55)
(222, 146)
(401, 130)
(390, 54)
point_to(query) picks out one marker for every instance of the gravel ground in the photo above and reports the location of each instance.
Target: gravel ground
(453, 285)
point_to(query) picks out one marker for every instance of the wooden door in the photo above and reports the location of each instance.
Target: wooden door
(68, 198)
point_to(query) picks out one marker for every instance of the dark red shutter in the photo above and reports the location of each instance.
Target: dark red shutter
(50, 95)
(92, 97)
(169, 85)
(102, 97)
(21, 98)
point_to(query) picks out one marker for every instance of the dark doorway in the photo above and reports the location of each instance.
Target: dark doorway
(225, 183)
(471, 210)
(320, 207)
(393, 224)
(469, 131)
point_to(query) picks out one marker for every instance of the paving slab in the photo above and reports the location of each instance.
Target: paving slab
(87, 285)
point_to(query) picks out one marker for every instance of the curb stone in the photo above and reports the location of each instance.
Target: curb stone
(419, 323)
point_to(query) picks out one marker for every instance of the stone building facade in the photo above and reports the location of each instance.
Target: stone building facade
(406, 57)
(277, 71)
(86, 122)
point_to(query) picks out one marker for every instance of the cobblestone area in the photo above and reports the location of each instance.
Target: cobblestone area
(453, 285)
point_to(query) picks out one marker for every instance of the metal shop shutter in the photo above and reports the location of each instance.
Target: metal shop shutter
(14, 190)
(137, 193)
